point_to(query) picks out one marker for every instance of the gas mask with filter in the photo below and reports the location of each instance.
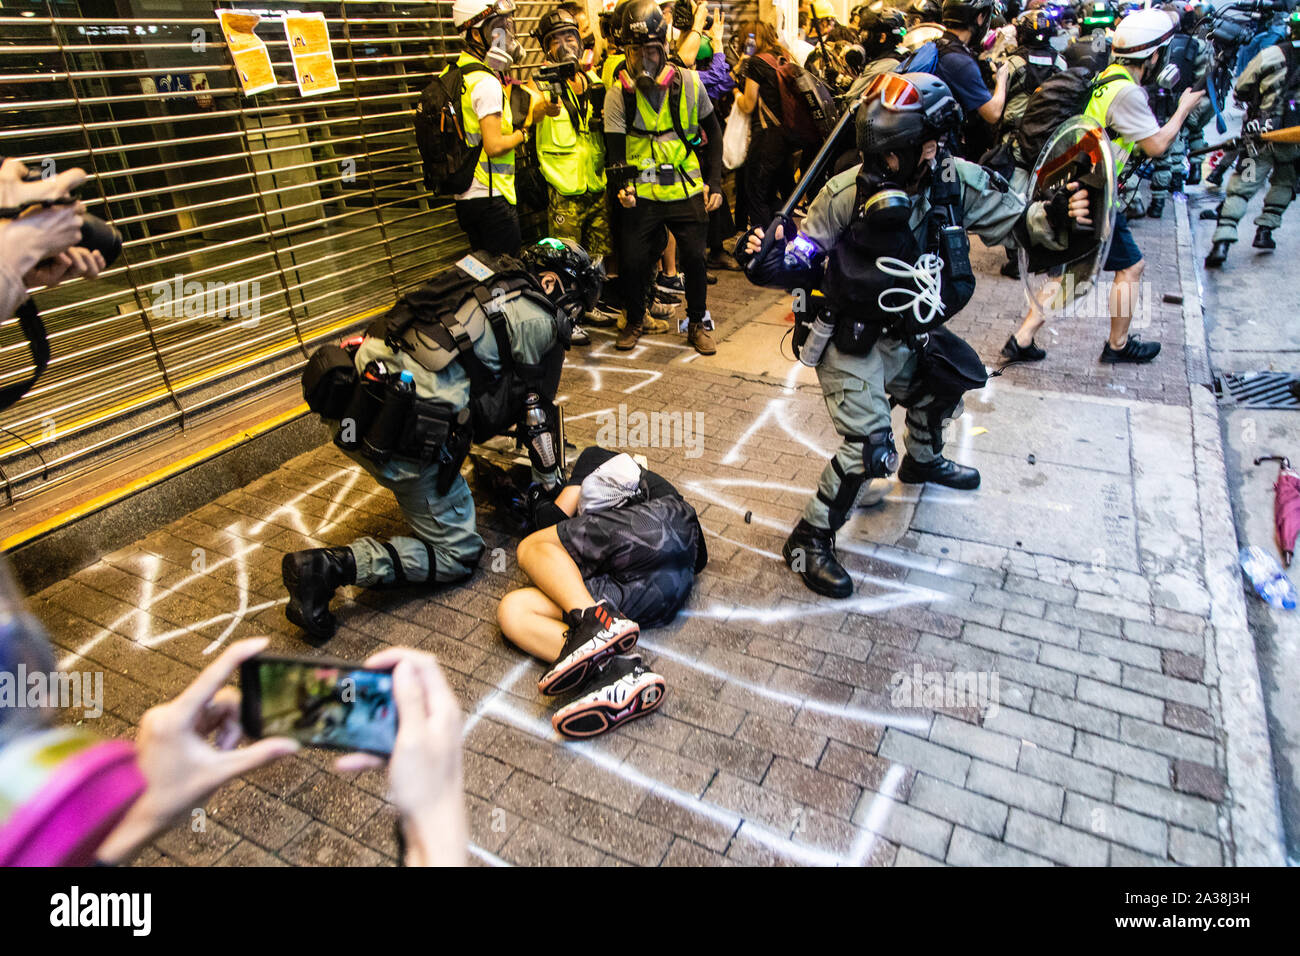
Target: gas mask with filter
(501, 48)
(647, 66)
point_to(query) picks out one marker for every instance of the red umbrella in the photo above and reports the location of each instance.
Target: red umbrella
(1286, 505)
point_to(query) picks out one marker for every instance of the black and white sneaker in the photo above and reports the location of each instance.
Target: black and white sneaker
(579, 336)
(627, 690)
(670, 288)
(1134, 350)
(595, 634)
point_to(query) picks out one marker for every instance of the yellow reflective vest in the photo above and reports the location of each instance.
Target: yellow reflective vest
(497, 174)
(572, 157)
(653, 140)
(1098, 107)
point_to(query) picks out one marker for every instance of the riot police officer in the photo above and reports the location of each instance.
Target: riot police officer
(886, 242)
(453, 362)
(1270, 86)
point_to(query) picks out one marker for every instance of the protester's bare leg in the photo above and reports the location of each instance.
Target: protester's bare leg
(533, 623)
(1123, 295)
(549, 566)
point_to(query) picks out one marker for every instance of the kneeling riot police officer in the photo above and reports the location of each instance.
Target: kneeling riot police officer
(463, 358)
(886, 242)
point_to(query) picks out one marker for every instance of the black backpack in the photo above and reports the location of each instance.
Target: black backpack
(448, 159)
(1061, 97)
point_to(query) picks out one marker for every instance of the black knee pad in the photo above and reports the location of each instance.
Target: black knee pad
(838, 507)
(879, 455)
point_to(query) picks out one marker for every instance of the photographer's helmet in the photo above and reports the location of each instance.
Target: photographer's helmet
(900, 113)
(558, 23)
(972, 15)
(924, 11)
(1036, 29)
(554, 22)
(1141, 34)
(581, 277)
(881, 28)
(642, 22)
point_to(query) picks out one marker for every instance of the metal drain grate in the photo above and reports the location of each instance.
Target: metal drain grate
(1258, 389)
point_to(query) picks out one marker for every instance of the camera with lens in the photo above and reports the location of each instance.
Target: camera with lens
(684, 17)
(96, 234)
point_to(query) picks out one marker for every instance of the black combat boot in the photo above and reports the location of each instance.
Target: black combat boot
(1194, 172)
(810, 552)
(1208, 214)
(1218, 255)
(941, 471)
(1156, 210)
(312, 577)
(1264, 238)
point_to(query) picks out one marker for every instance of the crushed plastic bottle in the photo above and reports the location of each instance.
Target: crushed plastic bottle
(1268, 578)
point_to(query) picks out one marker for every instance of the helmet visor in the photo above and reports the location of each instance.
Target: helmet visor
(895, 93)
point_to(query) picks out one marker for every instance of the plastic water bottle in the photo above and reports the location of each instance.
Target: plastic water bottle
(1268, 578)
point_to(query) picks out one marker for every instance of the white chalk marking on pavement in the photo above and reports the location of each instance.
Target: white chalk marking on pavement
(877, 814)
(727, 818)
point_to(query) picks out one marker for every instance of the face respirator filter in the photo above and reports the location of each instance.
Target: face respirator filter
(504, 51)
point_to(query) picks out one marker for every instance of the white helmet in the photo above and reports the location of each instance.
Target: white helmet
(1141, 33)
(465, 11)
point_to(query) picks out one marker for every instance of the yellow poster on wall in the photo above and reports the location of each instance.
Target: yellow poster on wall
(313, 60)
(252, 62)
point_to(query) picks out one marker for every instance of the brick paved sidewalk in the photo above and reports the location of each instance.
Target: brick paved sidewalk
(1070, 584)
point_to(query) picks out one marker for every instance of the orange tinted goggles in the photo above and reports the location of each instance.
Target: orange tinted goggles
(895, 92)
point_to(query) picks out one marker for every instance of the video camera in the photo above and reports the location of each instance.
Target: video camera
(684, 17)
(618, 175)
(556, 75)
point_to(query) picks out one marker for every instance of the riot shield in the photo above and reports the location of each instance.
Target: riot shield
(1079, 151)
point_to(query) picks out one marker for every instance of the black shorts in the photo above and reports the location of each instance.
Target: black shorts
(1124, 251)
(641, 557)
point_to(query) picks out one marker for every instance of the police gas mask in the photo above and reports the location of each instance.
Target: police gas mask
(564, 47)
(647, 64)
(1059, 42)
(503, 50)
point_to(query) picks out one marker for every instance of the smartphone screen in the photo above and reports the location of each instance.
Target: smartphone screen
(319, 703)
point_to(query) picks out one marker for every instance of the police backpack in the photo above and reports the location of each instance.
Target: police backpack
(435, 325)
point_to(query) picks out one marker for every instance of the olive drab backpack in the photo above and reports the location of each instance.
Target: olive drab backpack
(424, 324)
(448, 158)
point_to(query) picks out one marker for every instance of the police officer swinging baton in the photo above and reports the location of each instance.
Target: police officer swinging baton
(830, 151)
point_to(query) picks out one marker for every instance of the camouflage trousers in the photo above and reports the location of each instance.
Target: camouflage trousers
(1173, 164)
(582, 218)
(1245, 181)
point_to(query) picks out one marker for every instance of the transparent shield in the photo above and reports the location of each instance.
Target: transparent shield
(1079, 151)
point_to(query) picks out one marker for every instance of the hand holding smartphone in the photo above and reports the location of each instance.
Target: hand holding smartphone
(319, 702)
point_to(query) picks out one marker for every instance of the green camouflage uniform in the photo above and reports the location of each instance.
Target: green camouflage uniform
(582, 218)
(1265, 78)
(857, 388)
(444, 525)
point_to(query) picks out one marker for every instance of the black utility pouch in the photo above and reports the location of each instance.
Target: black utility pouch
(855, 336)
(328, 381)
(428, 430)
(384, 435)
(360, 414)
